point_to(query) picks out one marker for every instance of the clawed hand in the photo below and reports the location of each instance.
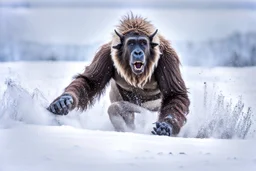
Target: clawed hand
(62, 105)
(162, 128)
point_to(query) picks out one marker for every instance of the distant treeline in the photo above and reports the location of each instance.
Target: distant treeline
(237, 50)
(30, 51)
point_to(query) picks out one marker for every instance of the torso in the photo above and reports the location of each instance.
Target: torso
(149, 93)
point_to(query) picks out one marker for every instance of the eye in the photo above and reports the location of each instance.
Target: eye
(130, 43)
(143, 42)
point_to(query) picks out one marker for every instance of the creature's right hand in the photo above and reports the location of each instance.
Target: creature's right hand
(62, 105)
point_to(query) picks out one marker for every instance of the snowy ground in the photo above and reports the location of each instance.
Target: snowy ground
(31, 138)
(65, 148)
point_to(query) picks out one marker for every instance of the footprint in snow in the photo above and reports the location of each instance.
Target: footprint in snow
(182, 153)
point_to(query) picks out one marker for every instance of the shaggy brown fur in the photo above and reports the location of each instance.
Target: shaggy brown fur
(89, 85)
(161, 79)
(175, 99)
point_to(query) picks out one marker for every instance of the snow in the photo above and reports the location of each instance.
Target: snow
(67, 148)
(33, 139)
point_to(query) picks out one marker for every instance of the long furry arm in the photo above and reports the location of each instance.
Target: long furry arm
(89, 85)
(175, 101)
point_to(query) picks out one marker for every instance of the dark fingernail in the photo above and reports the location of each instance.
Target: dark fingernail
(157, 124)
(58, 106)
(52, 109)
(159, 130)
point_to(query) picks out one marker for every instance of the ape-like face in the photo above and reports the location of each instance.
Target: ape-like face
(137, 50)
(135, 56)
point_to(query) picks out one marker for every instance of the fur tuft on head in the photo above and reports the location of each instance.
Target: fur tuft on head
(136, 24)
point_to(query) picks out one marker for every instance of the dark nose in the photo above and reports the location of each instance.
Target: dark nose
(138, 54)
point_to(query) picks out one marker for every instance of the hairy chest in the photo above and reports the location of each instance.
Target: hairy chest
(150, 91)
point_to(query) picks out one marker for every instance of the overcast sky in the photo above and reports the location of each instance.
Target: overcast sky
(80, 24)
(216, 4)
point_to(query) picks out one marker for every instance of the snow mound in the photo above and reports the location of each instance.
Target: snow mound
(18, 105)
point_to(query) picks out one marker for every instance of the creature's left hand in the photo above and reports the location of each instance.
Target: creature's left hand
(162, 128)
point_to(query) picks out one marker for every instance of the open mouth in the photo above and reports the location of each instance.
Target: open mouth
(138, 65)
